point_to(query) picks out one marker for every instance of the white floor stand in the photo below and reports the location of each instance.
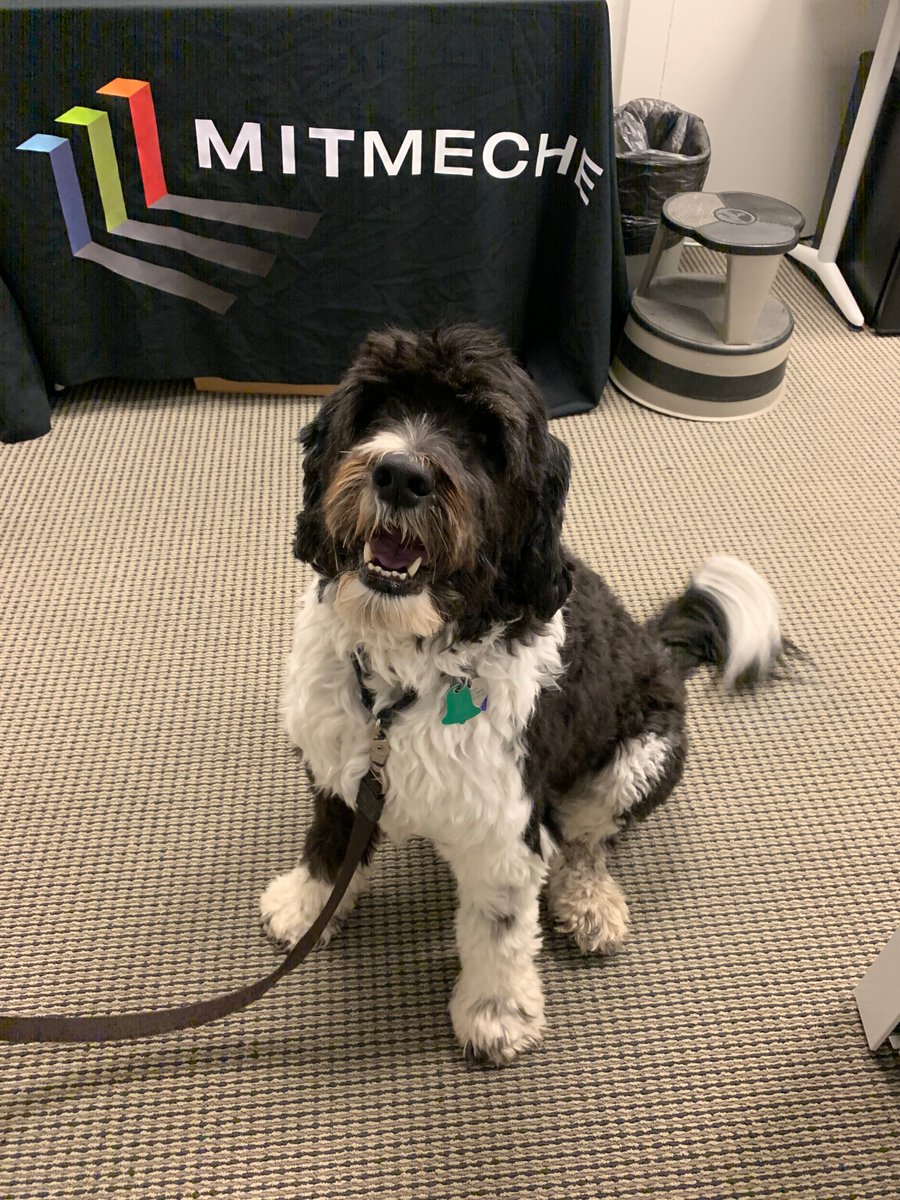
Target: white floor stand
(823, 260)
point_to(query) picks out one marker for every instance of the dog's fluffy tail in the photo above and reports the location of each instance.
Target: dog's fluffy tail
(728, 616)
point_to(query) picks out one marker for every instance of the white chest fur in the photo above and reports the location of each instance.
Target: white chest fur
(458, 785)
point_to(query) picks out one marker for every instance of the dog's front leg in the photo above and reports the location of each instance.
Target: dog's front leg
(292, 901)
(497, 1006)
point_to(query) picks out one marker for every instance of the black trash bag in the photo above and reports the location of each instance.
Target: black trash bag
(660, 150)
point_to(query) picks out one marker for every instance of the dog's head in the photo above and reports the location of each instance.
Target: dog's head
(433, 491)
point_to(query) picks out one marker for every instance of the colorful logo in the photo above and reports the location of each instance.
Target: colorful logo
(287, 221)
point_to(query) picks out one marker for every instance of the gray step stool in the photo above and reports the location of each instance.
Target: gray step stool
(711, 347)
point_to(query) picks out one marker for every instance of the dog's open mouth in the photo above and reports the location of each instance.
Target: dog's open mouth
(392, 563)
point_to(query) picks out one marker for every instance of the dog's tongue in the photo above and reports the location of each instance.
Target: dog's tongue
(393, 553)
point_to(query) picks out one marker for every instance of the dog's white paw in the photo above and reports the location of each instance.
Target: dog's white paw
(290, 904)
(588, 905)
(497, 1029)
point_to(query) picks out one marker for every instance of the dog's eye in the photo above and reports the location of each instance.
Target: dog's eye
(367, 414)
(487, 441)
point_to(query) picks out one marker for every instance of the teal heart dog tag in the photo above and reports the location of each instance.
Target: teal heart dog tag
(460, 706)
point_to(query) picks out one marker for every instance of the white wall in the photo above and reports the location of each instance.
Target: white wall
(770, 78)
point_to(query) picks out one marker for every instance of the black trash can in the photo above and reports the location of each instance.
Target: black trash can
(660, 150)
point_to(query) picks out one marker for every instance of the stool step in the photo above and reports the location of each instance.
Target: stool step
(690, 311)
(734, 222)
(695, 383)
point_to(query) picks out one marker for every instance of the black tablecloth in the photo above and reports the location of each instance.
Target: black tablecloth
(260, 186)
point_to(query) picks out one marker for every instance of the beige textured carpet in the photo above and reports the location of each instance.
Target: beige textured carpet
(147, 794)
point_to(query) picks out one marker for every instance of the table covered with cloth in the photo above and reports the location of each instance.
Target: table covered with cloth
(245, 191)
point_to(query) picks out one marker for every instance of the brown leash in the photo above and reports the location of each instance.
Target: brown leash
(116, 1027)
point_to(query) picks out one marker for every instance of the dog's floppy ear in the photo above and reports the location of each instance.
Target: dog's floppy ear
(542, 578)
(310, 537)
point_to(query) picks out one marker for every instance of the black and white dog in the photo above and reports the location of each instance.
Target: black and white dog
(543, 715)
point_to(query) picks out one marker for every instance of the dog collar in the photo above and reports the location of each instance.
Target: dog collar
(464, 699)
(381, 720)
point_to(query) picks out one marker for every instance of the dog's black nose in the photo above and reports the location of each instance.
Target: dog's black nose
(402, 481)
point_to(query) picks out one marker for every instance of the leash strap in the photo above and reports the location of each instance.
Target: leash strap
(117, 1027)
